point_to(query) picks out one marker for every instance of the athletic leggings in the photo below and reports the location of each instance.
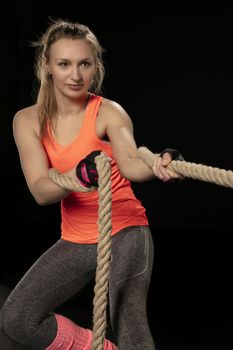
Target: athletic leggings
(65, 269)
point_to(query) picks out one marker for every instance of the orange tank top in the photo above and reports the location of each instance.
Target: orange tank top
(79, 211)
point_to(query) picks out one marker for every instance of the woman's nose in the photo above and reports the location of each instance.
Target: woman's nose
(75, 75)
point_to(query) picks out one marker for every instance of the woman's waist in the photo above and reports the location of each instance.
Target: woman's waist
(78, 199)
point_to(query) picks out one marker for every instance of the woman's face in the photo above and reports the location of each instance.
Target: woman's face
(72, 66)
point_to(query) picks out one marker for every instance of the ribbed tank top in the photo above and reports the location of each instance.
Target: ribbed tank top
(79, 211)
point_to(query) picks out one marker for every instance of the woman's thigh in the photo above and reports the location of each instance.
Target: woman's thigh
(132, 255)
(131, 268)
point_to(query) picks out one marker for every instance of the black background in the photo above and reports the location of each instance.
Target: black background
(170, 67)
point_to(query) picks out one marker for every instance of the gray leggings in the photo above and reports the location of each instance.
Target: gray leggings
(65, 269)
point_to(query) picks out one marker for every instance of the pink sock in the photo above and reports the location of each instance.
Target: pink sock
(72, 337)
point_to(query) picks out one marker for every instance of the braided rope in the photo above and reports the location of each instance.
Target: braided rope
(196, 171)
(100, 300)
(104, 253)
(67, 182)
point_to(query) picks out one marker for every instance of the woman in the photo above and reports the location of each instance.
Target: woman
(69, 121)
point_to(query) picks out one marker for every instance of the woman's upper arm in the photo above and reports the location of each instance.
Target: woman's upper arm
(120, 133)
(32, 156)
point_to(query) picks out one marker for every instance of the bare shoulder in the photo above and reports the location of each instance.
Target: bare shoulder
(112, 107)
(114, 112)
(25, 114)
(26, 117)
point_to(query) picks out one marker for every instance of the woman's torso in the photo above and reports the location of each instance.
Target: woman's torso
(80, 210)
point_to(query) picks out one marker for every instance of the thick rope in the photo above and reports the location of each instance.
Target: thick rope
(66, 182)
(192, 170)
(100, 300)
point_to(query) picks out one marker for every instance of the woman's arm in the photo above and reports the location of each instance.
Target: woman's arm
(34, 160)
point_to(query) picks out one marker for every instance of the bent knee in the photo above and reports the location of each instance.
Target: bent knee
(12, 323)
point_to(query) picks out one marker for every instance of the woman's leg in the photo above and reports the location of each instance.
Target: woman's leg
(57, 275)
(132, 261)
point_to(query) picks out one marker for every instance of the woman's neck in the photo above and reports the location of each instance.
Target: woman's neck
(69, 107)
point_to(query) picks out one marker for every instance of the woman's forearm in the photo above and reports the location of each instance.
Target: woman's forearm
(45, 191)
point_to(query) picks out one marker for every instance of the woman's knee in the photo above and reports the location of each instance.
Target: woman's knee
(12, 322)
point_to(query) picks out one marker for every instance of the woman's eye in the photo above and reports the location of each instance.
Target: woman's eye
(86, 64)
(63, 64)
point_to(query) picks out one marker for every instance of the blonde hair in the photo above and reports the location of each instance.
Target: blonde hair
(46, 102)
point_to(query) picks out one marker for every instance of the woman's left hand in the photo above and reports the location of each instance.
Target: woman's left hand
(162, 172)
